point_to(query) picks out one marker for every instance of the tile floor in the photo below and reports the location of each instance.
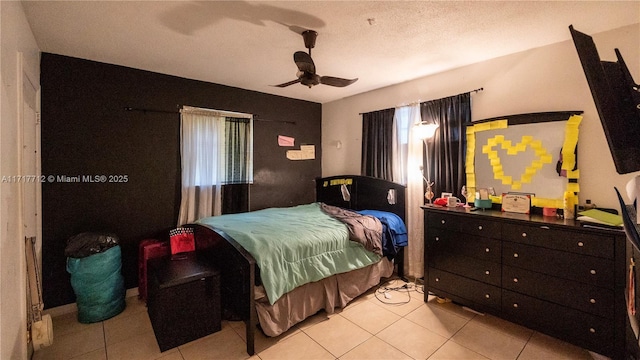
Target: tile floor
(366, 329)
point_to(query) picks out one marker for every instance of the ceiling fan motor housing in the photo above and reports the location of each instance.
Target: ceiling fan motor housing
(309, 37)
(309, 79)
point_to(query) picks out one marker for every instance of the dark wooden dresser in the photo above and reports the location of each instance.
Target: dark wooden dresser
(547, 274)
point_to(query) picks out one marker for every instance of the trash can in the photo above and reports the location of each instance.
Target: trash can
(94, 261)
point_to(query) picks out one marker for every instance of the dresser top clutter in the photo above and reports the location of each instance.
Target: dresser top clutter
(534, 219)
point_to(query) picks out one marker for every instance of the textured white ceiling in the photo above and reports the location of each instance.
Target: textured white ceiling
(250, 44)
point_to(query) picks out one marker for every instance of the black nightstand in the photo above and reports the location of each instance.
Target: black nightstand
(183, 300)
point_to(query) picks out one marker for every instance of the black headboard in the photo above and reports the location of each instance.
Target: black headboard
(364, 193)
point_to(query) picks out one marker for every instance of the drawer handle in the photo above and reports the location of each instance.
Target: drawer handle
(487, 250)
(437, 238)
(592, 330)
(487, 272)
(544, 227)
(515, 255)
(486, 296)
(593, 301)
(437, 279)
(515, 305)
(480, 227)
(515, 280)
(580, 244)
(442, 221)
(524, 234)
(593, 272)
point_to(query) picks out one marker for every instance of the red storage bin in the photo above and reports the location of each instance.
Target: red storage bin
(149, 249)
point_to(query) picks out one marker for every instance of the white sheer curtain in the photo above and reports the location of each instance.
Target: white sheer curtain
(202, 142)
(408, 154)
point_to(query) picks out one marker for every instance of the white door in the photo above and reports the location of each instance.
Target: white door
(30, 154)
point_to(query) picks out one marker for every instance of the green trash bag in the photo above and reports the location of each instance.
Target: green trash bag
(98, 284)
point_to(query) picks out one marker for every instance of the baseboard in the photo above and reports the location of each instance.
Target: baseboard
(72, 308)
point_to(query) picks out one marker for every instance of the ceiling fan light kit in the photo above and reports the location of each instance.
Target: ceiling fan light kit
(307, 69)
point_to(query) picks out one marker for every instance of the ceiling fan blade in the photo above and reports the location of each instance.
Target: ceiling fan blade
(288, 83)
(304, 62)
(334, 81)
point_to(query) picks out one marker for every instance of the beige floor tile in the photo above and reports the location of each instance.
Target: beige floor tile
(338, 335)
(504, 326)
(374, 348)
(298, 346)
(491, 343)
(412, 339)
(123, 327)
(439, 321)
(451, 307)
(68, 323)
(453, 351)
(174, 355)
(137, 347)
(100, 354)
(370, 316)
(224, 344)
(73, 344)
(545, 347)
(263, 342)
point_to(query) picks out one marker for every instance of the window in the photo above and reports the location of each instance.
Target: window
(216, 149)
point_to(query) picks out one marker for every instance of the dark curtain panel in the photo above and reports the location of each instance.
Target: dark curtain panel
(235, 191)
(235, 198)
(447, 149)
(237, 132)
(377, 144)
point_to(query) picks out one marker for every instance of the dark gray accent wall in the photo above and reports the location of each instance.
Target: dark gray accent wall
(87, 132)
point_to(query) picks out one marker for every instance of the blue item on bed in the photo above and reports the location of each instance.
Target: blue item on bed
(394, 231)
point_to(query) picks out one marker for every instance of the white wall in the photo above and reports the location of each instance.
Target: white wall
(16, 36)
(548, 78)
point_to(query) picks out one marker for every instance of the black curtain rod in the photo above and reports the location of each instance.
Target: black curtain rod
(255, 117)
(151, 110)
(472, 91)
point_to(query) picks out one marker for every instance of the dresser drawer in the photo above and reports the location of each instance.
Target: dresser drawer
(587, 298)
(586, 269)
(565, 240)
(485, 271)
(474, 225)
(585, 330)
(475, 292)
(469, 245)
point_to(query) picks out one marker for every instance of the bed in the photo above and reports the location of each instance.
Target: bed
(257, 295)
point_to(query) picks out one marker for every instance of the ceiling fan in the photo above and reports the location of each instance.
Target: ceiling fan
(307, 69)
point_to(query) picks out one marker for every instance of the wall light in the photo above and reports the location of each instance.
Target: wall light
(425, 130)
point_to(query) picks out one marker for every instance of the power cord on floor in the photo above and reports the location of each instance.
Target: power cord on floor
(386, 292)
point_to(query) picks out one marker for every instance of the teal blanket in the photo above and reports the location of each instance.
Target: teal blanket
(294, 246)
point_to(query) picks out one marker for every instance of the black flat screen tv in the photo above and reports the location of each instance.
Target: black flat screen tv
(617, 99)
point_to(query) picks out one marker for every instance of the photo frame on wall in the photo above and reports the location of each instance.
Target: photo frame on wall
(532, 153)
